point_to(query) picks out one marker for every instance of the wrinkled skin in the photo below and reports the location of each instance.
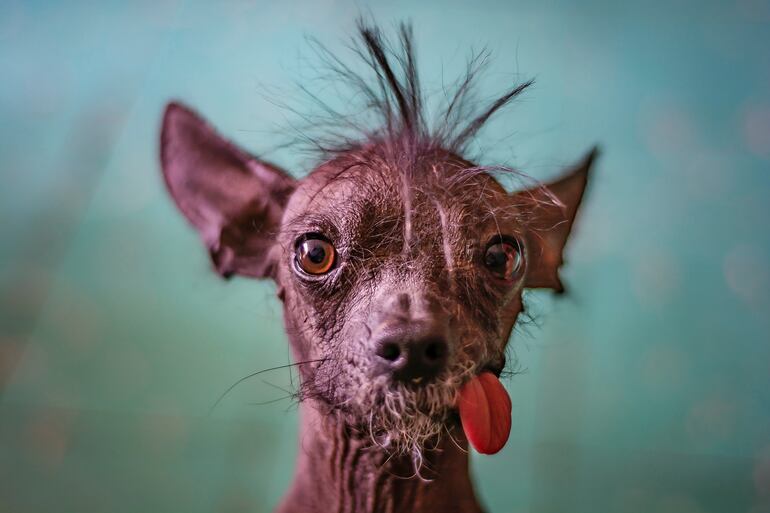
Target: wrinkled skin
(410, 246)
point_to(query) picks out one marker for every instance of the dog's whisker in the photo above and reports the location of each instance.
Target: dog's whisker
(254, 374)
(270, 401)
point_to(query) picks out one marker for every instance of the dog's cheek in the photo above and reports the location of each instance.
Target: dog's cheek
(355, 360)
(301, 322)
(471, 338)
(508, 317)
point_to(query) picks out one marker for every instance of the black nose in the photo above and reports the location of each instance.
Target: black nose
(412, 357)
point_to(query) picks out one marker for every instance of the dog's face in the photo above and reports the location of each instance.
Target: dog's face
(400, 280)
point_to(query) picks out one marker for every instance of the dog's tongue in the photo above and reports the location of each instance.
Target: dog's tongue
(485, 411)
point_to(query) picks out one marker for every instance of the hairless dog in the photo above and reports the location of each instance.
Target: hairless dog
(400, 265)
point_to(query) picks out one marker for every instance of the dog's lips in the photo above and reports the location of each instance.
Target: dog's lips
(497, 370)
(485, 412)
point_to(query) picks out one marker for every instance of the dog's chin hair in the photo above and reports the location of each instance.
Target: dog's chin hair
(407, 420)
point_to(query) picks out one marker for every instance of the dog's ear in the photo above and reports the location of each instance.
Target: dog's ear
(551, 209)
(233, 199)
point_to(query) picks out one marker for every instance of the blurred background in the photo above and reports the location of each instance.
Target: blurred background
(647, 388)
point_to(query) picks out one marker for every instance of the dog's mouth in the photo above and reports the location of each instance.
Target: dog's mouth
(405, 418)
(483, 410)
(495, 368)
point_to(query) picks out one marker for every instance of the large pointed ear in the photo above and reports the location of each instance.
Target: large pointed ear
(551, 212)
(234, 200)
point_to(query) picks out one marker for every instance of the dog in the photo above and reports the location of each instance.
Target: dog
(400, 264)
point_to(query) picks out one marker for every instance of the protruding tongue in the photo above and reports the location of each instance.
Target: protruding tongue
(485, 411)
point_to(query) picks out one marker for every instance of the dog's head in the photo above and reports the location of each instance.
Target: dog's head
(400, 264)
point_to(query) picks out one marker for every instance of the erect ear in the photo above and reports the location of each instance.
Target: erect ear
(234, 200)
(551, 210)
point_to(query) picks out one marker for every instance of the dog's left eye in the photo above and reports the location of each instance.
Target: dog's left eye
(504, 258)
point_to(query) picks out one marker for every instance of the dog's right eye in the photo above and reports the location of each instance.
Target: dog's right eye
(504, 258)
(315, 255)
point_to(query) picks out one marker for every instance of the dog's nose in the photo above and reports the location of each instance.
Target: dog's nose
(412, 357)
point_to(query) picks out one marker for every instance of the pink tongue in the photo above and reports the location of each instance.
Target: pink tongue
(485, 411)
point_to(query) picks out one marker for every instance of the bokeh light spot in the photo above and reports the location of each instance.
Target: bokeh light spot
(656, 277)
(48, 436)
(711, 419)
(746, 273)
(756, 129)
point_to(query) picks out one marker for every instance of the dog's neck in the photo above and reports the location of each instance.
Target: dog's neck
(340, 472)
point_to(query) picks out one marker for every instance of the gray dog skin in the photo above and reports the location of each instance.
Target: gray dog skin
(395, 293)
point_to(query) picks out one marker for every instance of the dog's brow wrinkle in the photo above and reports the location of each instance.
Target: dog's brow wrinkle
(446, 243)
(407, 204)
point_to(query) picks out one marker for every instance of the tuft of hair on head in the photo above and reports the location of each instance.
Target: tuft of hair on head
(387, 102)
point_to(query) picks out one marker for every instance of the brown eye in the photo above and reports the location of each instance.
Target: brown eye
(315, 256)
(504, 258)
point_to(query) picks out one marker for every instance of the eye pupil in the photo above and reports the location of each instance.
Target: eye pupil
(495, 257)
(504, 259)
(316, 255)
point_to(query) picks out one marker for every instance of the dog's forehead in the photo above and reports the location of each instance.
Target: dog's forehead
(451, 186)
(333, 185)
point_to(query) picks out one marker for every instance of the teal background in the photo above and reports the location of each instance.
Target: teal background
(647, 388)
